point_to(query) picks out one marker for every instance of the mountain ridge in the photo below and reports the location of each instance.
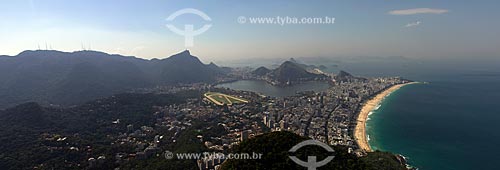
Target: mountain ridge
(68, 78)
(290, 71)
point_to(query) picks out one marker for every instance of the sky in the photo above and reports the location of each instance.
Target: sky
(410, 28)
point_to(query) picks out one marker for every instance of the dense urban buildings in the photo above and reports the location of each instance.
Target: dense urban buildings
(328, 116)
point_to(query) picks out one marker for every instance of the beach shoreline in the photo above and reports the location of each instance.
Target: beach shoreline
(360, 130)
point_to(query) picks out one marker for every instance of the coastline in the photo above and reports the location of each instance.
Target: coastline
(360, 130)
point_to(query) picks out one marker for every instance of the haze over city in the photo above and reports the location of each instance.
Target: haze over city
(415, 29)
(225, 85)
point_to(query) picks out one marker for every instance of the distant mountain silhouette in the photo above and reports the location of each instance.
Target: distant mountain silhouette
(55, 77)
(307, 67)
(293, 60)
(185, 68)
(261, 71)
(343, 76)
(290, 71)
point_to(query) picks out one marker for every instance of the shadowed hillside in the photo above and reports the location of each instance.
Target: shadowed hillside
(54, 77)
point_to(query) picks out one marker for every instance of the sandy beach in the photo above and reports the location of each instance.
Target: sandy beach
(369, 106)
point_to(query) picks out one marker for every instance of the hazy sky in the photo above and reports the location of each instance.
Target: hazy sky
(412, 28)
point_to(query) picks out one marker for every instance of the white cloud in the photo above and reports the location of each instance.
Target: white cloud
(418, 11)
(413, 24)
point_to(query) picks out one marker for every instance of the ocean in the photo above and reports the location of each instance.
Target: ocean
(451, 123)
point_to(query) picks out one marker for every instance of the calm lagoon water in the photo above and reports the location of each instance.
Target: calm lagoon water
(452, 123)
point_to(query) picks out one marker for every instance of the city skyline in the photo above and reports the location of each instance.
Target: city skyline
(422, 29)
(284, 84)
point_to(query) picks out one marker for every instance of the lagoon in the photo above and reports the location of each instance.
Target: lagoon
(262, 87)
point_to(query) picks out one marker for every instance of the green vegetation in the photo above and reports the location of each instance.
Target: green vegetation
(274, 147)
(186, 143)
(67, 79)
(29, 131)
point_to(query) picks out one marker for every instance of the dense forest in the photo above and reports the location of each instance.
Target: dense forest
(37, 137)
(275, 146)
(33, 136)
